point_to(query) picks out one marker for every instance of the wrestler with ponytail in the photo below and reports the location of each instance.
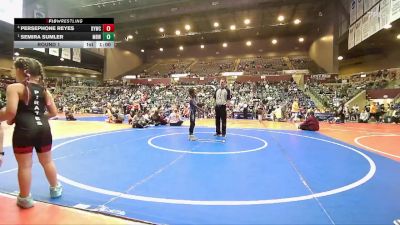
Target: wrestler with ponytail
(30, 106)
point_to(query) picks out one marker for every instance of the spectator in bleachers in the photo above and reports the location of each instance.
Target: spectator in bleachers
(139, 121)
(396, 115)
(295, 110)
(364, 116)
(392, 115)
(69, 116)
(278, 114)
(88, 100)
(118, 117)
(158, 119)
(175, 119)
(387, 117)
(131, 115)
(373, 110)
(311, 123)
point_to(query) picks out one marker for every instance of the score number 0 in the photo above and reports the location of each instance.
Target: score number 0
(108, 27)
(108, 32)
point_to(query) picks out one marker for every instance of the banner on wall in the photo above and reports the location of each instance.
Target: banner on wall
(353, 11)
(66, 53)
(365, 27)
(395, 10)
(358, 33)
(321, 76)
(384, 13)
(360, 8)
(54, 51)
(40, 50)
(76, 54)
(374, 16)
(351, 37)
(368, 4)
(374, 20)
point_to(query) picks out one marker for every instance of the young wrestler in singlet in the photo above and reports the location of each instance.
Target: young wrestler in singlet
(27, 103)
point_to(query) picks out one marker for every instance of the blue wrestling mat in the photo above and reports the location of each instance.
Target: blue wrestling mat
(254, 177)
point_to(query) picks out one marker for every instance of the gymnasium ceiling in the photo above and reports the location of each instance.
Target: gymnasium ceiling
(143, 18)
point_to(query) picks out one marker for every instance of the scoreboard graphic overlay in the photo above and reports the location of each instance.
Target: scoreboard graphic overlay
(64, 33)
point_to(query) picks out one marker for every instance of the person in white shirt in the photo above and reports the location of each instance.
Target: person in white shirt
(364, 116)
(221, 96)
(175, 119)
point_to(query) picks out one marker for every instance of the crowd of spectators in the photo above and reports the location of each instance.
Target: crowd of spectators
(330, 94)
(376, 79)
(166, 69)
(248, 99)
(212, 67)
(270, 101)
(261, 65)
(262, 100)
(373, 112)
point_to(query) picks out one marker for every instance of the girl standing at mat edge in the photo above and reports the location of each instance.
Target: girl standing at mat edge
(27, 103)
(192, 115)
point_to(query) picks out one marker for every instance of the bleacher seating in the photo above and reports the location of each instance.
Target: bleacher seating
(305, 63)
(211, 67)
(261, 65)
(165, 69)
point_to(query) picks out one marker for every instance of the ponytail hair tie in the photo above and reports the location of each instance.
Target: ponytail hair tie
(27, 74)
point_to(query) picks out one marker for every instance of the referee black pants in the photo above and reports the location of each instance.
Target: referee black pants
(192, 122)
(220, 115)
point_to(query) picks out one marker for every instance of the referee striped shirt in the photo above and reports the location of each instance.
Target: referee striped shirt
(222, 95)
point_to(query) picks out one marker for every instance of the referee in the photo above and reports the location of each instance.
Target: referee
(221, 96)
